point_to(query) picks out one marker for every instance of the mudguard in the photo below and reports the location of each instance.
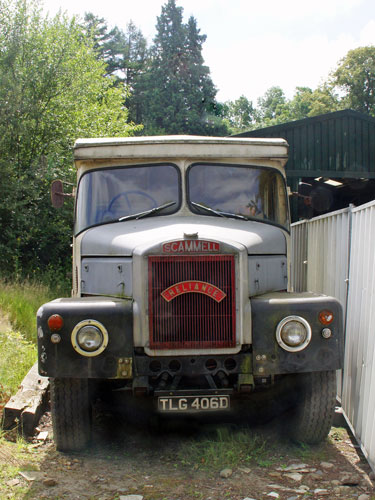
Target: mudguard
(321, 354)
(60, 359)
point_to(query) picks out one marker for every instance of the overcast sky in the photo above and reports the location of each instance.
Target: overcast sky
(254, 44)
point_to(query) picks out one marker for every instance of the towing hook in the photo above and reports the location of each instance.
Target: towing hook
(163, 381)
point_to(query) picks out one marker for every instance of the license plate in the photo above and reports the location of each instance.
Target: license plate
(193, 403)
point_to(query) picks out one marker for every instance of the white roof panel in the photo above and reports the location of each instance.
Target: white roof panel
(178, 146)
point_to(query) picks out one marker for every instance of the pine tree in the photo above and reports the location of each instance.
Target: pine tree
(125, 53)
(176, 94)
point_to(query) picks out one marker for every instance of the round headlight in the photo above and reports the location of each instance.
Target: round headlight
(89, 338)
(293, 333)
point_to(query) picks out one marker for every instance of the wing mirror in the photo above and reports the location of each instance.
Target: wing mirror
(57, 194)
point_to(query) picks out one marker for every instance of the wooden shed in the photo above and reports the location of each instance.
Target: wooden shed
(331, 160)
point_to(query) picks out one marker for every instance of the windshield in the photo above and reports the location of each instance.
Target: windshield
(248, 191)
(110, 194)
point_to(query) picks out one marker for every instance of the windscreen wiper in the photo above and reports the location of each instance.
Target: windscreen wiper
(219, 213)
(146, 213)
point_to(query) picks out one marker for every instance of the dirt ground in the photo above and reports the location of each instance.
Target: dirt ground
(183, 460)
(128, 462)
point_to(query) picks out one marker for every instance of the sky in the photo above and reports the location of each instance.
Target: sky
(253, 45)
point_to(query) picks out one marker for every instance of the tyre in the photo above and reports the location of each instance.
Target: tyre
(71, 413)
(313, 413)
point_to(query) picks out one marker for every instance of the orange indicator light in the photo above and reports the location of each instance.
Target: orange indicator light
(55, 322)
(326, 317)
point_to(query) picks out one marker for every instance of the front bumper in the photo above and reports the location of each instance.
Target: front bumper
(242, 371)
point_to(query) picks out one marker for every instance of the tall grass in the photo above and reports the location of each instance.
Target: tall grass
(19, 302)
(17, 356)
(227, 448)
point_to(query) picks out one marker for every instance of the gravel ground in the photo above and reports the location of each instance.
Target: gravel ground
(128, 462)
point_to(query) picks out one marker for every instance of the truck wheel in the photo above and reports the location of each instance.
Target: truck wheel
(71, 413)
(315, 407)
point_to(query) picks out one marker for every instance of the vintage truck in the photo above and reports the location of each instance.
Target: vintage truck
(181, 260)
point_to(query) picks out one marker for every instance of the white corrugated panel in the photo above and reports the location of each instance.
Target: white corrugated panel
(299, 256)
(328, 254)
(341, 248)
(328, 259)
(358, 398)
(324, 243)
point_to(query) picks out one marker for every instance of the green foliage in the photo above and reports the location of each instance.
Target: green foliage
(21, 300)
(17, 357)
(273, 108)
(125, 53)
(53, 90)
(355, 76)
(272, 104)
(307, 102)
(228, 448)
(240, 114)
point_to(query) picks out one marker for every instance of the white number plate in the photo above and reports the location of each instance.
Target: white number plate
(193, 403)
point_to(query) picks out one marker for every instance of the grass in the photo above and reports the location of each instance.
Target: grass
(19, 301)
(17, 355)
(15, 457)
(227, 448)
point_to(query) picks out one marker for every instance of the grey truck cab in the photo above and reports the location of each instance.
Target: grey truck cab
(181, 258)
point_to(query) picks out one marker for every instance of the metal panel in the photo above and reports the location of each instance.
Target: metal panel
(358, 398)
(325, 242)
(339, 144)
(298, 281)
(340, 250)
(328, 254)
(267, 273)
(320, 255)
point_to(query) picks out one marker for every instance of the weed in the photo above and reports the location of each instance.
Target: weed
(20, 301)
(17, 356)
(337, 434)
(309, 452)
(228, 448)
(15, 457)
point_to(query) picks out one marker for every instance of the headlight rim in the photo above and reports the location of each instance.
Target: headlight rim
(89, 322)
(281, 342)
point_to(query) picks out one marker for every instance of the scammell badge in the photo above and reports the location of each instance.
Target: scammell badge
(191, 246)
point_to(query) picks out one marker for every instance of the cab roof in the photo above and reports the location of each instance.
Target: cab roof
(180, 146)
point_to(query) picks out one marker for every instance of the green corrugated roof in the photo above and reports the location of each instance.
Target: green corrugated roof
(339, 144)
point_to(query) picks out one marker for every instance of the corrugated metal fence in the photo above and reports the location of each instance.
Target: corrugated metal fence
(335, 254)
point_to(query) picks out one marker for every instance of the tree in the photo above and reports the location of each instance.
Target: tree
(274, 108)
(324, 100)
(272, 104)
(240, 114)
(176, 94)
(307, 102)
(355, 76)
(52, 90)
(96, 29)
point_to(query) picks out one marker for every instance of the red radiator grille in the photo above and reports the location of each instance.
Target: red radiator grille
(192, 320)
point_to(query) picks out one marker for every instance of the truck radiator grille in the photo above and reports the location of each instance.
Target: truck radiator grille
(194, 313)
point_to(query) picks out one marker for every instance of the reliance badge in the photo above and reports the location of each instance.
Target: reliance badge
(193, 286)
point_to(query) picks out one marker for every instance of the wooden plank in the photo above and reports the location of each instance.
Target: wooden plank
(26, 407)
